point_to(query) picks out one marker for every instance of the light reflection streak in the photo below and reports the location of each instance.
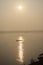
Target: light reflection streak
(20, 50)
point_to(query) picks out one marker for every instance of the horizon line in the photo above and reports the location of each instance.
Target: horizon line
(30, 31)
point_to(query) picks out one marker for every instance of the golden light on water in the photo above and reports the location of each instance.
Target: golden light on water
(20, 50)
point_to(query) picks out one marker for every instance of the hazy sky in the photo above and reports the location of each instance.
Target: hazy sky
(29, 18)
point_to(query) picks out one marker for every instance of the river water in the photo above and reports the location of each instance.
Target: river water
(33, 46)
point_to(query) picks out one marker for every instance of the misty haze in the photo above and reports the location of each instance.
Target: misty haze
(21, 32)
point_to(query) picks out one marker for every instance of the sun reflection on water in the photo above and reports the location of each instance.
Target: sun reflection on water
(20, 50)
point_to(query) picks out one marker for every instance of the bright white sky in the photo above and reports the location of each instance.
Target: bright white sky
(30, 17)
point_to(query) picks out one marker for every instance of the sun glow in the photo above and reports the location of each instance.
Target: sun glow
(20, 7)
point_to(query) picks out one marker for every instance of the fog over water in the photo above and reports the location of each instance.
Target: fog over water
(33, 46)
(29, 18)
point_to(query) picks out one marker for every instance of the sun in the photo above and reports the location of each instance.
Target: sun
(20, 7)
